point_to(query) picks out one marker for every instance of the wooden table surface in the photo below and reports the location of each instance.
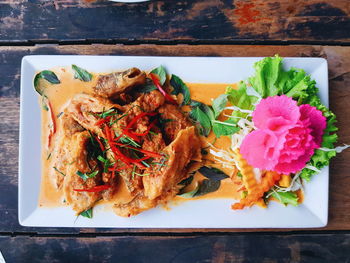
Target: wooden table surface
(301, 28)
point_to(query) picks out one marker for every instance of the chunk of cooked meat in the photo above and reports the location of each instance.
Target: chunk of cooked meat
(116, 84)
(161, 182)
(185, 148)
(61, 155)
(70, 125)
(148, 102)
(174, 120)
(84, 109)
(81, 201)
(154, 143)
(139, 204)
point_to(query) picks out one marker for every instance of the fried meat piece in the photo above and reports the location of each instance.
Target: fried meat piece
(61, 155)
(116, 84)
(84, 109)
(174, 120)
(81, 201)
(161, 182)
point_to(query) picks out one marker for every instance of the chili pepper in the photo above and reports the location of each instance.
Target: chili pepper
(159, 87)
(94, 189)
(53, 123)
(131, 135)
(148, 153)
(100, 143)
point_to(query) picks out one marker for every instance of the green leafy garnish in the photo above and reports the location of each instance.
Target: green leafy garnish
(219, 104)
(106, 163)
(180, 87)
(86, 176)
(213, 173)
(105, 114)
(55, 168)
(244, 194)
(202, 119)
(44, 103)
(286, 197)
(204, 116)
(87, 213)
(224, 128)
(49, 76)
(161, 73)
(190, 194)
(240, 98)
(81, 74)
(207, 186)
(186, 181)
(148, 87)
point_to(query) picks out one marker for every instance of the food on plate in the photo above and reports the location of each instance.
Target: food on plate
(136, 139)
(286, 135)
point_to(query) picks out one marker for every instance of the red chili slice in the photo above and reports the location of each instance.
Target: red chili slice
(159, 87)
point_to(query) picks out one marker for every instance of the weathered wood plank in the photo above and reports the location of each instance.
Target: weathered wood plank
(216, 249)
(339, 72)
(186, 20)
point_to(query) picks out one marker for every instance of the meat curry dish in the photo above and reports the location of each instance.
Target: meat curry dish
(145, 139)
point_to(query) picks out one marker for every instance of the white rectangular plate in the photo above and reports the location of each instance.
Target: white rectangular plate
(194, 214)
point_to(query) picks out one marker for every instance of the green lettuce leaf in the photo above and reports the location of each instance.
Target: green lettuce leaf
(267, 73)
(239, 98)
(286, 197)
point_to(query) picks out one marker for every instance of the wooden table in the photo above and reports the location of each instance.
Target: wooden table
(306, 28)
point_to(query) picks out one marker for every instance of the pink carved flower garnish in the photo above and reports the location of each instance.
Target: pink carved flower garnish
(286, 136)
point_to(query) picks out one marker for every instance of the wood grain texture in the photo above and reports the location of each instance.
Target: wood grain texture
(183, 21)
(339, 74)
(181, 249)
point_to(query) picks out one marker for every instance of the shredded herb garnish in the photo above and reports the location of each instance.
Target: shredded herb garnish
(105, 114)
(86, 176)
(59, 114)
(55, 168)
(133, 172)
(106, 163)
(87, 213)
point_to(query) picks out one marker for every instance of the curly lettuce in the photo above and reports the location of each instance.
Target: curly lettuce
(271, 79)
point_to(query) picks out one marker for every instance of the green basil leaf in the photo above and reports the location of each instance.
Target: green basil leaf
(49, 76)
(87, 213)
(81, 74)
(180, 87)
(213, 173)
(219, 104)
(224, 128)
(160, 71)
(148, 87)
(190, 194)
(207, 186)
(43, 103)
(205, 108)
(186, 181)
(202, 119)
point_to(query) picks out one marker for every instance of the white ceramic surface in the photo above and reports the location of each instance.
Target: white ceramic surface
(195, 214)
